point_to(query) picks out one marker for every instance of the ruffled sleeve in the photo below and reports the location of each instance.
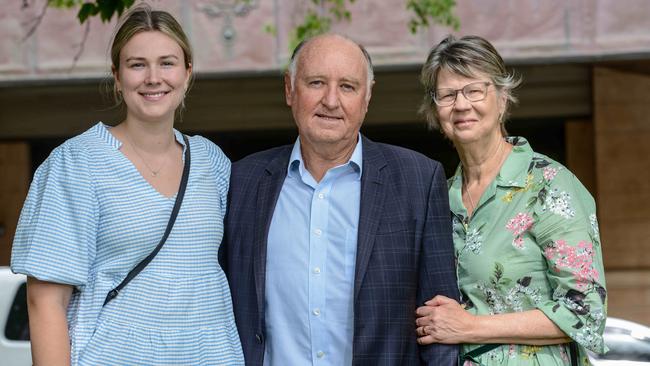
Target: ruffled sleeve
(56, 234)
(567, 231)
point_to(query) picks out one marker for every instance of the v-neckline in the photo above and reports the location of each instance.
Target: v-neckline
(117, 144)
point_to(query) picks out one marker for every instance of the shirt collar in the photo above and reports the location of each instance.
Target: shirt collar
(296, 165)
(514, 171)
(103, 131)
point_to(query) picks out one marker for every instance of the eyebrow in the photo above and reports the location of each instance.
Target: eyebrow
(135, 58)
(351, 81)
(348, 80)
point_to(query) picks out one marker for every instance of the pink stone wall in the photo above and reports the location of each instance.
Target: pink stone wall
(521, 30)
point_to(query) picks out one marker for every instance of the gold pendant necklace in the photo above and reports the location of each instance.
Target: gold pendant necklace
(154, 172)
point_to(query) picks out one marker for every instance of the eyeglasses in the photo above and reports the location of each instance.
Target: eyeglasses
(474, 92)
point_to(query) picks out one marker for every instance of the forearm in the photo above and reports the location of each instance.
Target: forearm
(529, 327)
(48, 324)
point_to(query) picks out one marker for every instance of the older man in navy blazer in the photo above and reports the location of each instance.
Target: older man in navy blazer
(331, 243)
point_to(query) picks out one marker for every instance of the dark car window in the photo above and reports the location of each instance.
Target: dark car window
(17, 328)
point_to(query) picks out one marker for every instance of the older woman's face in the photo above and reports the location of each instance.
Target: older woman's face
(465, 121)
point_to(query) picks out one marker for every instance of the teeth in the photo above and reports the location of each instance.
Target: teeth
(160, 94)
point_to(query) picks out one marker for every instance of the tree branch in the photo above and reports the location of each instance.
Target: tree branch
(36, 21)
(82, 46)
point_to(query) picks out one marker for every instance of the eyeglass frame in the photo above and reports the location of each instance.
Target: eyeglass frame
(432, 93)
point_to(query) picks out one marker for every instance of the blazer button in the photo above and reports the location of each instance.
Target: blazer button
(258, 337)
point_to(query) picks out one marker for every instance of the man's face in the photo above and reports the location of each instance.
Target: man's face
(330, 95)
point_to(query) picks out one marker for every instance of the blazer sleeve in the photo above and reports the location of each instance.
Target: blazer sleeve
(437, 265)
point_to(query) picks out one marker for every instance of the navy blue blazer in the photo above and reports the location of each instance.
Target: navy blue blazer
(404, 254)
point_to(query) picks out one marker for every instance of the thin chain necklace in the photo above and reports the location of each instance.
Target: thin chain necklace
(154, 172)
(465, 182)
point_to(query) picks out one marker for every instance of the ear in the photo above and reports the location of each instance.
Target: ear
(369, 93)
(367, 97)
(188, 75)
(503, 102)
(116, 78)
(288, 92)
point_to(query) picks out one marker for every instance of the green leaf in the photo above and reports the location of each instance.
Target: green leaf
(439, 11)
(87, 10)
(498, 271)
(64, 3)
(531, 201)
(107, 8)
(271, 29)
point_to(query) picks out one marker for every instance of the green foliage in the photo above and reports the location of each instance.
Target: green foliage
(104, 8)
(315, 24)
(438, 11)
(66, 4)
(271, 29)
(318, 19)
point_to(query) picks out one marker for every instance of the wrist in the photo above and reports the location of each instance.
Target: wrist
(477, 326)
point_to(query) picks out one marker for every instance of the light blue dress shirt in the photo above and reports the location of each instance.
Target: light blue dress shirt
(310, 263)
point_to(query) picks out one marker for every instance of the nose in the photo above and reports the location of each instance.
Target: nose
(331, 97)
(461, 102)
(152, 76)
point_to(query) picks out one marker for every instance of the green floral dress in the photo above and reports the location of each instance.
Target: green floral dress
(532, 243)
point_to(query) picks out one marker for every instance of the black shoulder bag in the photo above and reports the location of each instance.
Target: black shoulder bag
(177, 206)
(471, 355)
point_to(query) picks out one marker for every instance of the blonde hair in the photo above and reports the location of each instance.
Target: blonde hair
(142, 18)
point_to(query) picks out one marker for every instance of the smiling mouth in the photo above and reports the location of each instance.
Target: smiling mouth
(154, 95)
(328, 117)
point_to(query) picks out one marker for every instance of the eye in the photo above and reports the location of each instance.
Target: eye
(316, 83)
(168, 63)
(348, 87)
(475, 91)
(136, 65)
(445, 94)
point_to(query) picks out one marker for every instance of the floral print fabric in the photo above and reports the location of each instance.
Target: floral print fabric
(532, 243)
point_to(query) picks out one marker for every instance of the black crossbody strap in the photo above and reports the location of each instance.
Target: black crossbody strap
(573, 348)
(471, 355)
(177, 206)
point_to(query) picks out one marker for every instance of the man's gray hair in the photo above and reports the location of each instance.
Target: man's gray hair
(293, 63)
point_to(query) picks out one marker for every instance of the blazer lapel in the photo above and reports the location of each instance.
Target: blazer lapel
(269, 188)
(372, 203)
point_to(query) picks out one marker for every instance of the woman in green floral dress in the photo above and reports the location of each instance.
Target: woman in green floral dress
(525, 232)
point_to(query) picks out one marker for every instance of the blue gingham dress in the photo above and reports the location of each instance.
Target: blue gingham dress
(90, 217)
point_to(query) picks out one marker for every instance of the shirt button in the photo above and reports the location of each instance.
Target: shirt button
(318, 232)
(316, 311)
(316, 270)
(321, 196)
(320, 354)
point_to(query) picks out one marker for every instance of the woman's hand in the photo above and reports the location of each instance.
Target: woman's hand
(443, 320)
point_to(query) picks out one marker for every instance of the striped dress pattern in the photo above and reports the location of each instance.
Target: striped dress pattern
(90, 217)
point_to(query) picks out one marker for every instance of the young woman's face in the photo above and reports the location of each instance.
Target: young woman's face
(152, 76)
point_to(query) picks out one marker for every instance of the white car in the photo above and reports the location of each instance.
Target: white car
(14, 327)
(628, 342)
